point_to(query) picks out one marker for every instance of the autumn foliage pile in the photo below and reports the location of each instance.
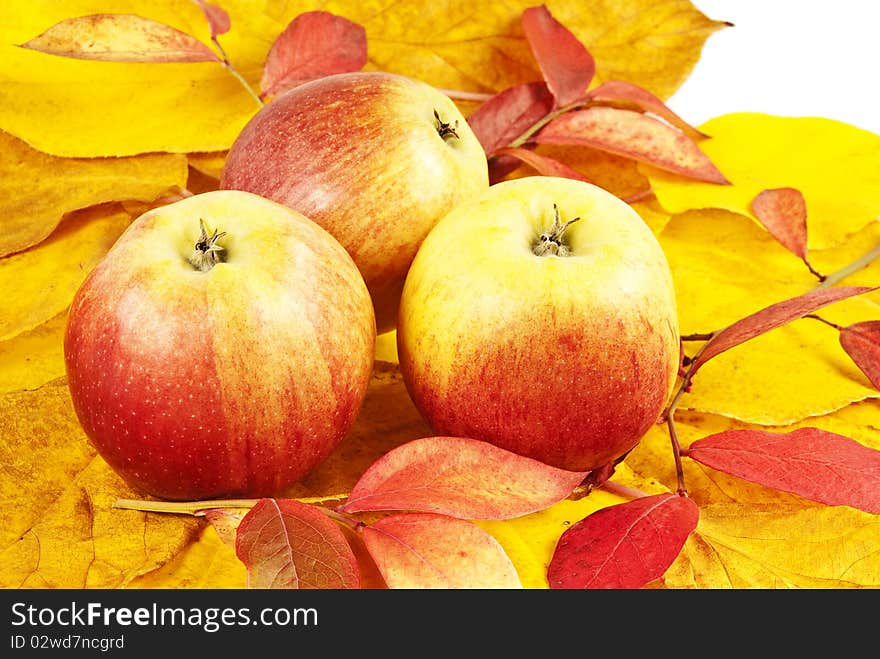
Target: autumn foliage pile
(764, 470)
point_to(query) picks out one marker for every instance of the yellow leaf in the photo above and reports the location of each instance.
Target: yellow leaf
(835, 166)
(33, 358)
(70, 107)
(725, 267)
(39, 283)
(209, 164)
(205, 563)
(58, 526)
(480, 46)
(83, 108)
(120, 38)
(36, 189)
(529, 541)
(778, 546)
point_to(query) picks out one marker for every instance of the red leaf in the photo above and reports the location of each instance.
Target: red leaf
(314, 44)
(623, 546)
(772, 317)
(815, 464)
(424, 550)
(861, 342)
(626, 92)
(542, 164)
(508, 114)
(120, 38)
(288, 544)
(218, 19)
(632, 135)
(783, 211)
(459, 477)
(566, 65)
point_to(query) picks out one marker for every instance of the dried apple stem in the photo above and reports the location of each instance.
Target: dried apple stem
(553, 241)
(207, 252)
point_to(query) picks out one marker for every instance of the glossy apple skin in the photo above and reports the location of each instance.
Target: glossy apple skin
(567, 360)
(237, 381)
(359, 153)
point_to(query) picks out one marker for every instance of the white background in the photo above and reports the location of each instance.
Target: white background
(790, 58)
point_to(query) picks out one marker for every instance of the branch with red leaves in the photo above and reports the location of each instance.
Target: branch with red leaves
(617, 116)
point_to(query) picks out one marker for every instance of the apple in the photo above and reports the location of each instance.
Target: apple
(541, 317)
(222, 347)
(374, 158)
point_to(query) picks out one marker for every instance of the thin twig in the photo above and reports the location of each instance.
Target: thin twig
(466, 96)
(855, 266)
(226, 62)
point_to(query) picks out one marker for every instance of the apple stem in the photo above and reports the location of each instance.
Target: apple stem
(445, 130)
(206, 252)
(552, 241)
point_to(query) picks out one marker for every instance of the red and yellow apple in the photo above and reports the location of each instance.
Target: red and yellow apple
(374, 158)
(541, 317)
(222, 347)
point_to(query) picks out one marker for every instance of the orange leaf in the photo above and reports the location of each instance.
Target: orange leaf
(288, 544)
(772, 317)
(623, 546)
(459, 477)
(633, 135)
(566, 64)
(120, 38)
(425, 550)
(218, 19)
(815, 464)
(861, 341)
(783, 211)
(626, 92)
(314, 44)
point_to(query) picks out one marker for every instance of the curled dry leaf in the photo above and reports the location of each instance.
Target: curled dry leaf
(426, 550)
(120, 38)
(626, 93)
(815, 464)
(544, 165)
(783, 211)
(565, 63)
(39, 283)
(314, 44)
(288, 544)
(218, 19)
(772, 317)
(460, 477)
(56, 186)
(507, 115)
(623, 546)
(632, 135)
(861, 341)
